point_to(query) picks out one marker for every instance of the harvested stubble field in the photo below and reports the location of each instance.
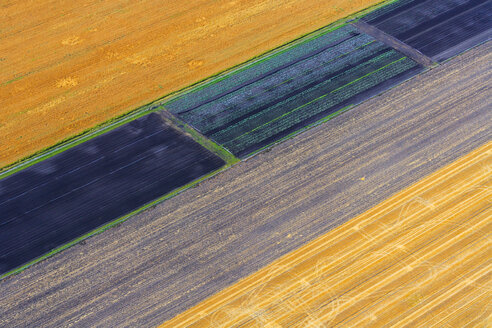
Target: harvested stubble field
(68, 66)
(422, 258)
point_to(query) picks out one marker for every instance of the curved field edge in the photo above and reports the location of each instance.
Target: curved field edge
(91, 132)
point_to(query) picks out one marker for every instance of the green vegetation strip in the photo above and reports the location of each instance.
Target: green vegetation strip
(305, 128)
(316, 99)
(328, 117)
(205, 142)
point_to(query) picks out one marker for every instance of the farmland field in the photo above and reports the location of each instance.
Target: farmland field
(439, 29)
(253, 108)
(59, 199)
(182, 251)
(422, 258)
(67, 66)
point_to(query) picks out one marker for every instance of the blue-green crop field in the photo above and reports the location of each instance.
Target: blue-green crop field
(257, 106)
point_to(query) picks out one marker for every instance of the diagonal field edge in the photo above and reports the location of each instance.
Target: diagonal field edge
(294, 92)
(394, 43)
(263, 76)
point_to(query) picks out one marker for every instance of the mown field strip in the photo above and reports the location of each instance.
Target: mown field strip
(431, 241)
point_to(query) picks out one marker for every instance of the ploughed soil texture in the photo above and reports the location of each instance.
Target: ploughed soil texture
(439, 29)
(269, 100)
(78, 190)
(67, 66)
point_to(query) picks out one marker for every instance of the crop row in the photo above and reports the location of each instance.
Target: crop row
(284, 58)
(326, 104)
(256, 106)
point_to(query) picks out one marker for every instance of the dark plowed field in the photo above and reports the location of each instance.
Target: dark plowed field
(271, 99)
(439, 29)
(74, 192)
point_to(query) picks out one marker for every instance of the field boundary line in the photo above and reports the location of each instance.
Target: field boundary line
(115, 222)
(394, 43)
(482, 153)
(158, 104)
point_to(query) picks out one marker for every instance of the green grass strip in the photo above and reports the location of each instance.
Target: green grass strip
(205, 142)
(103, 127)
(157, 105)
(13, 80)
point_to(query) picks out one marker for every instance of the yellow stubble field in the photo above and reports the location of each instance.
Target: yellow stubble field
(422, 258)
(67, 66)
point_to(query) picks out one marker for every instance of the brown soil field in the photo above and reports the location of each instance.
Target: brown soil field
(68, 66)
(422, 258)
